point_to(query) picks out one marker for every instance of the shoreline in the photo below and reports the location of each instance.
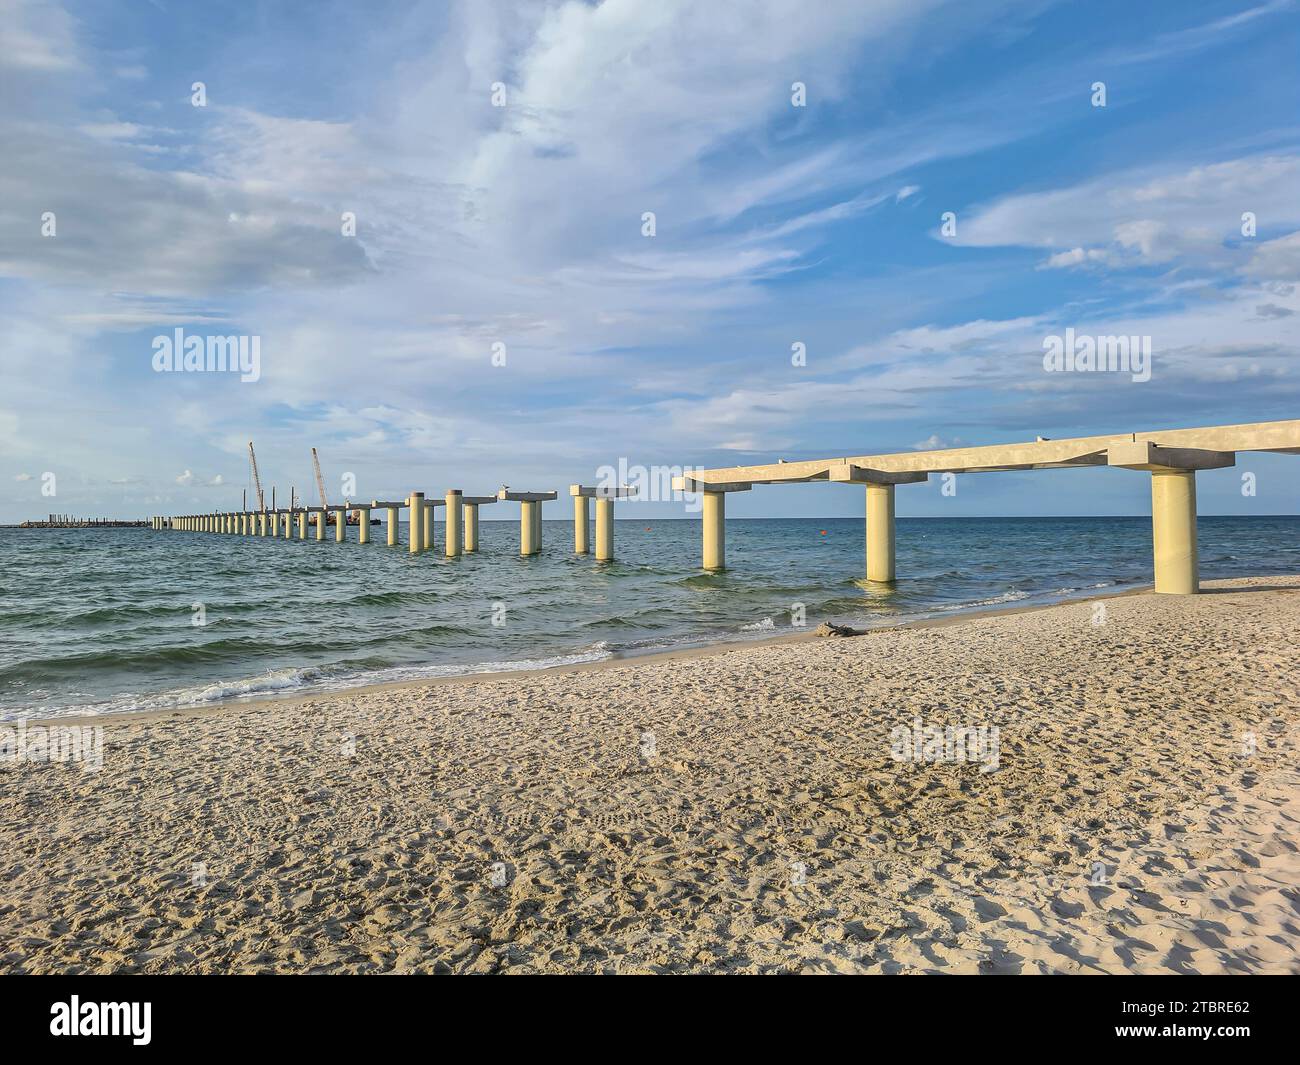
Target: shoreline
(616, 660)
(744, 810)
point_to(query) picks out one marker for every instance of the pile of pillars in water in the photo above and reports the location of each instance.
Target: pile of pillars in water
(460, 521)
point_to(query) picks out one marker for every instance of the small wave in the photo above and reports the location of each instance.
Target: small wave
(308, 679)
(1013, 596)
(766, 625)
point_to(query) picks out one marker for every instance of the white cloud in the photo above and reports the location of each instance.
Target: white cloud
(1151, 219)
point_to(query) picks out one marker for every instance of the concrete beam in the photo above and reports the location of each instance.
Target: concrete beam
(1144, 455)
(1282, 436)
(850, 474)
(526, 497)
(594, 492)
(691, 483)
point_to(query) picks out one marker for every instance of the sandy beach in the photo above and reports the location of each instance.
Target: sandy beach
(741, 810)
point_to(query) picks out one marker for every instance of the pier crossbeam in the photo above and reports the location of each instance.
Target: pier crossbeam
(1171, 456)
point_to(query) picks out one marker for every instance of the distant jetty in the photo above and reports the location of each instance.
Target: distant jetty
(67, 521)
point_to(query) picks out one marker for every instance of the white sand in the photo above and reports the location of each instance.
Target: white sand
(769, 828)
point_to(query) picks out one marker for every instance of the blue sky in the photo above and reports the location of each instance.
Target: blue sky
(521, 225)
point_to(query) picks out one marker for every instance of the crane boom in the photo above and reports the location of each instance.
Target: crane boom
(257, 481)
(320, 481)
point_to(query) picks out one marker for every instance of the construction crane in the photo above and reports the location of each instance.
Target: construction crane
(320, 481)
(320, 484)
(257, 481)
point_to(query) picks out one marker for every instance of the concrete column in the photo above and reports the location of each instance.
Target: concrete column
(453, 524)
(470, 513)
(363, 530)
(261, 523)
(1173, 531)
(604, 530)
(288, 526)
(715, 530)
(415, 507)
(302, 525)
(320, 524)
(426, 526)
(392, 526)
(581, 520)
(880, 533)
(341, 527)
(527, 527)
(537, 526)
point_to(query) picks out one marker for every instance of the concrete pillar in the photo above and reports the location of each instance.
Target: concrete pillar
(302, 525)
(392, 526)
(261, 523)
(453, 523)
(527, 527)
(470, 513)
(581, 520)
(537, 526)
(415, 506)
(288, 526)
(427, 524)
(880, 533)
(604, 530)
(363, 530)
(341, 526)
(320, 524)
(715, 530)
(1173, 531)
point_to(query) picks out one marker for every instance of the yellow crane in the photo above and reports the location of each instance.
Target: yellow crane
(320, 481)
(331, 517)
(257, 481)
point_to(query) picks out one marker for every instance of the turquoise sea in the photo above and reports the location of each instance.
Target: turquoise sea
(106, 620)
